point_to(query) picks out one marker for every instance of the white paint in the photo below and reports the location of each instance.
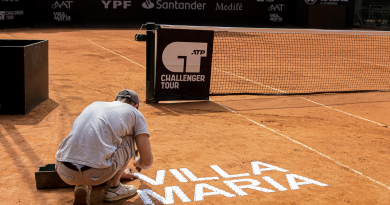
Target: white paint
(159, 178)
(168, 195)
(199, 192)
(297, 142)
(274, 183)
(295, 185)
(178, 175)
(238, 189)
(226, 175)
(257, 171)
(193, 178)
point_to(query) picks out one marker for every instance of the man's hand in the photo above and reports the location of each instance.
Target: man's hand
(136, 162)
(127, 175)
(145, 159)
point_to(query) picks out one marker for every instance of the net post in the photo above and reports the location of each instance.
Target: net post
(150, 61)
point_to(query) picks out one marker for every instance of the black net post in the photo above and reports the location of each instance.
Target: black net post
(150, 61)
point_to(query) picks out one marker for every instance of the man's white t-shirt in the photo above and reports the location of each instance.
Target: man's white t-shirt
(98, 132)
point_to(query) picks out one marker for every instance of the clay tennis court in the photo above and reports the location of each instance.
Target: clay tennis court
(341, 141)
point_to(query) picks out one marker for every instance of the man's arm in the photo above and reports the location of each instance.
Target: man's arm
(145, 160)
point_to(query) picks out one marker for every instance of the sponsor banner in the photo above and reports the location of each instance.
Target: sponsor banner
(130, 13)
(16, 14)
(183, 64)
(60, 13)
(244, 13)
(10, 15)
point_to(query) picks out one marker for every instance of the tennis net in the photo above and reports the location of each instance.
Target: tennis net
(259, 61)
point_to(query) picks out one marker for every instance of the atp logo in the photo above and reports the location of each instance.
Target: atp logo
(310, 1)
(198, 52)
(148, 4)
(184, 57)
(2, 15)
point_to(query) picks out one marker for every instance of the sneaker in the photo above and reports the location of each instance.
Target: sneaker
(82, 195)
(122, 191)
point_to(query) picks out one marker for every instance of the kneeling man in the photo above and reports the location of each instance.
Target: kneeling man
(101, 144)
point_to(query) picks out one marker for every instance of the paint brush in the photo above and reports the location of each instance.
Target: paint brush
(135, 156)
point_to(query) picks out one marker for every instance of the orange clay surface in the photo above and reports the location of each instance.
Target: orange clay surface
(345, 145)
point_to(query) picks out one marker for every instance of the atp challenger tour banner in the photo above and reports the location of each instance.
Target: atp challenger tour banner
(183, 64)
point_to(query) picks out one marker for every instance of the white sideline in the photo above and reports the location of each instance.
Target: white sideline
(249, 80)
(280, 134)
(116, 53)
(380, 124)
(135, 42)
(297, 142)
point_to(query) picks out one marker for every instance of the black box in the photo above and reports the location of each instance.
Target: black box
(47, 177)
(24, 75)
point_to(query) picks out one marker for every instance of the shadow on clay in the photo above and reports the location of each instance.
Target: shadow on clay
(168, 108)
(18, 159)
(187, 108)
(34, 117)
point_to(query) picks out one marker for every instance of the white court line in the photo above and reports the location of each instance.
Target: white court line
(249, 80)
(135, 42)
(170, 110)
(297, 142)
(116, 53)
(380, 124)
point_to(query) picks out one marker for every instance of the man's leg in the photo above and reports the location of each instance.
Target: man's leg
(82, 195)
(115, 190)
(114, 181)
(82, 192)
